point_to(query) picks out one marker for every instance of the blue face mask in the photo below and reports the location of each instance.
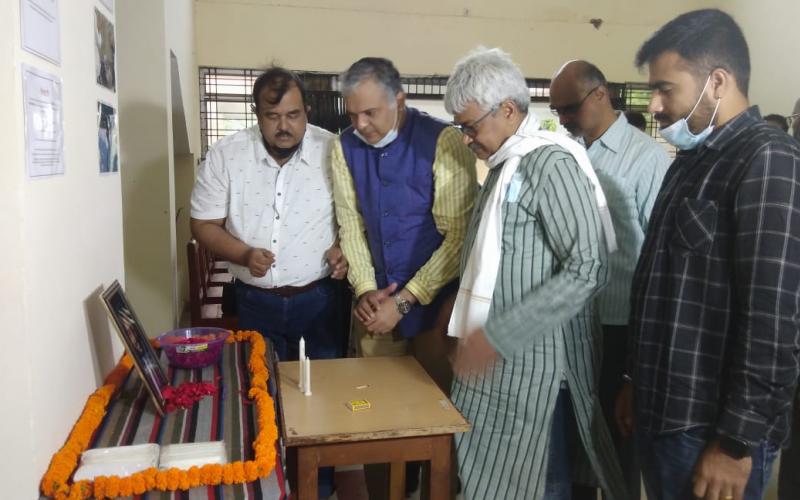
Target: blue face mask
(386, 140)
(679, 135)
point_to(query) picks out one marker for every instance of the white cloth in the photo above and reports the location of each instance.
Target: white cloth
(479, 276)
(288, 210)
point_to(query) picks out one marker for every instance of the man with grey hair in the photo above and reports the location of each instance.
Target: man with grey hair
(630, 166)
(534, 256)
(404, 186)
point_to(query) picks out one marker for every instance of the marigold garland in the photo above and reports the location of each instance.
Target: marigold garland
(55, 482)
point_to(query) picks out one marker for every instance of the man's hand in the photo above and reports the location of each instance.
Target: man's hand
(259, 261)
(474, 354)
(385, 318)
(369, 303)
(718, 476)
(336, 261)
(623, 410)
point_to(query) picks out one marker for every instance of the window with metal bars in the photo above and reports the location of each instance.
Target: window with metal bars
(225, 98)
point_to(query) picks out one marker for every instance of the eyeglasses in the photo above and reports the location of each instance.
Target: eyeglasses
(572, 109)
(472, 130)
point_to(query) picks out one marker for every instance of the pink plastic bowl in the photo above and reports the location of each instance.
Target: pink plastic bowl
(204, 349)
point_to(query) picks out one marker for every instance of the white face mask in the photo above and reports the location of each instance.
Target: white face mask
(387, 139)
(679, 135)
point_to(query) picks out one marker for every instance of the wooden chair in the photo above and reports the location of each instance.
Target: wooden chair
(207, 276)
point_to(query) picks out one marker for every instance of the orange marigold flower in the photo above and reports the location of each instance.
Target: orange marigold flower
(55, 483)
(112, 487)
(161, 481)
(125, 487)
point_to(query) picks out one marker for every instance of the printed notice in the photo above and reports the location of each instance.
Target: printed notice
(40, 29)
(44, 133)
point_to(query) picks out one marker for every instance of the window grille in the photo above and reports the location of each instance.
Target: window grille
(225, 99)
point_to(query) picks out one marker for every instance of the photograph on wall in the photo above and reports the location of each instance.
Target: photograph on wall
(44, 126)
(136, 343)
(40, 29)
(104, 51)
(107, 142)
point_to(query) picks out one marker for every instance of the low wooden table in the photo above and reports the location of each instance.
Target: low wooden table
(410, 419)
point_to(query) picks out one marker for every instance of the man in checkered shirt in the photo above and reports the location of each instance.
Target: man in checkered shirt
(715, 304)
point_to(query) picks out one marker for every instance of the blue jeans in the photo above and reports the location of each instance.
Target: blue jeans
(283, 320)
(667, 463)
(563, 431)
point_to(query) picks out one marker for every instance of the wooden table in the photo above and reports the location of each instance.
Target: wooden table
(410, 419)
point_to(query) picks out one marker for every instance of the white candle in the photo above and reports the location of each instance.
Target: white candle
(301, 363)
(308, 377)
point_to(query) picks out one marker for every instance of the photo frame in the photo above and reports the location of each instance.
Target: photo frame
(105, 52)
(136, 343)
(107, 138)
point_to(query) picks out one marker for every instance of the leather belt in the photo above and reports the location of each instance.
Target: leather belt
(283, 291)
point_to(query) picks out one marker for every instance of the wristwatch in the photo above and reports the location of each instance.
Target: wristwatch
(403, 306)
(734, 448)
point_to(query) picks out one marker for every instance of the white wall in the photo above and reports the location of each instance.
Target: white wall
(152, 128)
(179, 19)
(62, 241)
(770, 27)
(62, 236)
(424, 37)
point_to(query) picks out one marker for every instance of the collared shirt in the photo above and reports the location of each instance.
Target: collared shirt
(715, 306)
(630, 166)
(455, 187)
(287, 209)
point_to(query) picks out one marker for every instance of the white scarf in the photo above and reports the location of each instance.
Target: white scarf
(480, 273)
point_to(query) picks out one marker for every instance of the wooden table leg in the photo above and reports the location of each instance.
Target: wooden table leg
(440, 467)
(307, 471)
(397, 481)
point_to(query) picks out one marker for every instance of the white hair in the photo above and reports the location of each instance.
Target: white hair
(486, 77)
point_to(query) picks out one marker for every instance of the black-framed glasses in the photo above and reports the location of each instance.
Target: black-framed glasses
(472, 129)
(572, 109)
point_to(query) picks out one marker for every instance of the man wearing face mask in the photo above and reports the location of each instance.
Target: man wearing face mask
(404, 186)
(714, 299)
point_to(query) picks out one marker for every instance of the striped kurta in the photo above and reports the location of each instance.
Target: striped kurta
(541, 322)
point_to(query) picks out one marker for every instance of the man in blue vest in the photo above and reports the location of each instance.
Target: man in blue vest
(404, 187)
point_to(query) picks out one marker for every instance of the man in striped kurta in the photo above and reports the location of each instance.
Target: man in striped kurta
(526, 364)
